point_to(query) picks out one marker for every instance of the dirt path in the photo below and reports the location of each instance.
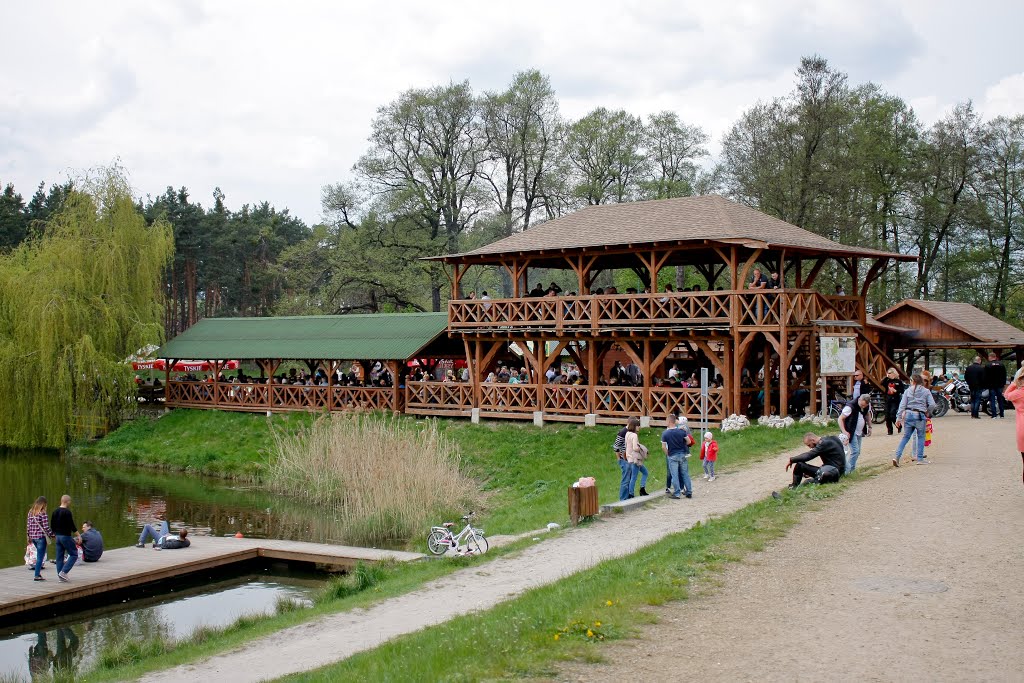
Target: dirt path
(917, 574)
(339, 636)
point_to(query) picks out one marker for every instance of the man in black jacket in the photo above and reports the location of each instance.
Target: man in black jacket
(828, 448)
(974, 375)
(995, 382)
(63, 525)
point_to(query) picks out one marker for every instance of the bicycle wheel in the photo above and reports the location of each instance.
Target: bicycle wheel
(436, 543)
(477, 545)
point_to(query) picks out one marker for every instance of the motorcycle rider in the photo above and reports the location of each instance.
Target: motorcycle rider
(974, 375)
(995, 382)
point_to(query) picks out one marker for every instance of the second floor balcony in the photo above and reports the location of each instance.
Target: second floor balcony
(592, 314)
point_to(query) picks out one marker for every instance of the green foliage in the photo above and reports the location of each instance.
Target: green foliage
(364, 577)
(127, 651)
(74, 304)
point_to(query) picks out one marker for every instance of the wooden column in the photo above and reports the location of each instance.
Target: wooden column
(593, 370)
(645, 368)
(396, 392)
(767, 404)
(812, 379)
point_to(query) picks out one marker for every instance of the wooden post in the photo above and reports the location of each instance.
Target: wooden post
(646, 370)
(767, 404)
(396, 398)
(813, 361)
(592, 372)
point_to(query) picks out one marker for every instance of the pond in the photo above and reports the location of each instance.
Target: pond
(75, 642)
(119, 500)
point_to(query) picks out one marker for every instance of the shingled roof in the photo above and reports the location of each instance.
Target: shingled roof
(975, 323)
(709, 218)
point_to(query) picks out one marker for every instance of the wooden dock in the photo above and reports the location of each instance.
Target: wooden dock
(127, 567)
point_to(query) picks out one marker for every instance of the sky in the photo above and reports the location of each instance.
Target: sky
(272, 100)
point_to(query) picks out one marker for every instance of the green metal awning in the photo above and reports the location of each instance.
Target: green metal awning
(396, 336)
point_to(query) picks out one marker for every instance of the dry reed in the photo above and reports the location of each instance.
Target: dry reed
(385, 478)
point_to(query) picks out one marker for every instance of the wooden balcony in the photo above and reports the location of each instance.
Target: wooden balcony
(593, 314)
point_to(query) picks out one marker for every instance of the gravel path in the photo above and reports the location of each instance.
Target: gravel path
(914, 575)
(334, 638)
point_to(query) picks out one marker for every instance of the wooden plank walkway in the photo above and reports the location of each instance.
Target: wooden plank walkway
(127, 567)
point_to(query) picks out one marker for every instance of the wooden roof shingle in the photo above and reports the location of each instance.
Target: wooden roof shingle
(709, 218)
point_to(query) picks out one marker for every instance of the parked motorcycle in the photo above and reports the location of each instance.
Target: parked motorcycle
(958, 394)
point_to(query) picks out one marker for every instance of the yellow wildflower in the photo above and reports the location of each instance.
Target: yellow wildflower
(597, 624)
(556, 636)
(590, 634)
(609, 603)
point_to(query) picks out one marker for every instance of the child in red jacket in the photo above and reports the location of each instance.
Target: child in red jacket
(709, 454)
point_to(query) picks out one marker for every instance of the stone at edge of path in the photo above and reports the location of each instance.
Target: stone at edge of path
(337, 637)
(923, 585)
(632, 504)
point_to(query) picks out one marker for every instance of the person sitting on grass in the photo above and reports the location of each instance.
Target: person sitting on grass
(833, 460)
(163, 539)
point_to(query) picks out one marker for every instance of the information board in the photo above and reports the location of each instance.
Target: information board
(838, 355)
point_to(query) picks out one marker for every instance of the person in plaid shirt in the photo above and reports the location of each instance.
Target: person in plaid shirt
(38, 525)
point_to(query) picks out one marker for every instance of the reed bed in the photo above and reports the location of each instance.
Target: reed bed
(385, 478)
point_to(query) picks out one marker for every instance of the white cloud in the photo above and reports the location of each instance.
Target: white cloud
(1005, 98)
(270, 101)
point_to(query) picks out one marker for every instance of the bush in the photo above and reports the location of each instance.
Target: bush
(128, 651)
(365, 576)
(386, 478)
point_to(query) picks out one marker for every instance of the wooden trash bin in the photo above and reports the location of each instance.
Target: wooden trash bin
(582, 503)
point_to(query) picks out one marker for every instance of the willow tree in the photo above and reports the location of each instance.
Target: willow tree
(74, 304)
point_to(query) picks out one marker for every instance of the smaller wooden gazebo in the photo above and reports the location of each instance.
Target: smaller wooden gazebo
(916, 327)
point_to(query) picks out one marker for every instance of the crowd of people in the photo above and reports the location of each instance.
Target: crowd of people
(86, 542)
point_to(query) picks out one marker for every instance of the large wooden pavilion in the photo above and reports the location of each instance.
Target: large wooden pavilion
(725, 326)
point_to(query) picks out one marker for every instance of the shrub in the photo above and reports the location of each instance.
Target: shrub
(384, 477)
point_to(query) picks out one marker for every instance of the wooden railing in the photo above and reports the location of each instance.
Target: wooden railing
(619, 401)
(794, 307)
(686, 401)
(848, 307)
(566, 399)
(423, 397)
(508, 398)
(277, 397)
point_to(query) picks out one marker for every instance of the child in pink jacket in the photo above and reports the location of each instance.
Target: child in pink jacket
(709, 454)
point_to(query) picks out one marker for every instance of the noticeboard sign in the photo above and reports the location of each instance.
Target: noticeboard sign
(838, 355)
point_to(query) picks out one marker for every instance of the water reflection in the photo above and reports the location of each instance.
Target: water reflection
(75, 644)
(119, 500)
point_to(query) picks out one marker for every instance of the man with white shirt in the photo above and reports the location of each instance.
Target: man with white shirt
(855, 425)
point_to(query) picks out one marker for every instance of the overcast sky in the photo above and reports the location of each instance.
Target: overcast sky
(271, 100)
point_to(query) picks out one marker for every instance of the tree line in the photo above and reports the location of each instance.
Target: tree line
(447, 169)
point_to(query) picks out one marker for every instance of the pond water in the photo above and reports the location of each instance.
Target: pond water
(119, 500)
(76, 641)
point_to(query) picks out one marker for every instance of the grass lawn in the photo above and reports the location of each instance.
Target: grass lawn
(570, 619)
(524, 469)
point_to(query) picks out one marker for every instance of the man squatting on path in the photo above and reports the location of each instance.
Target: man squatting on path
(833, 457)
